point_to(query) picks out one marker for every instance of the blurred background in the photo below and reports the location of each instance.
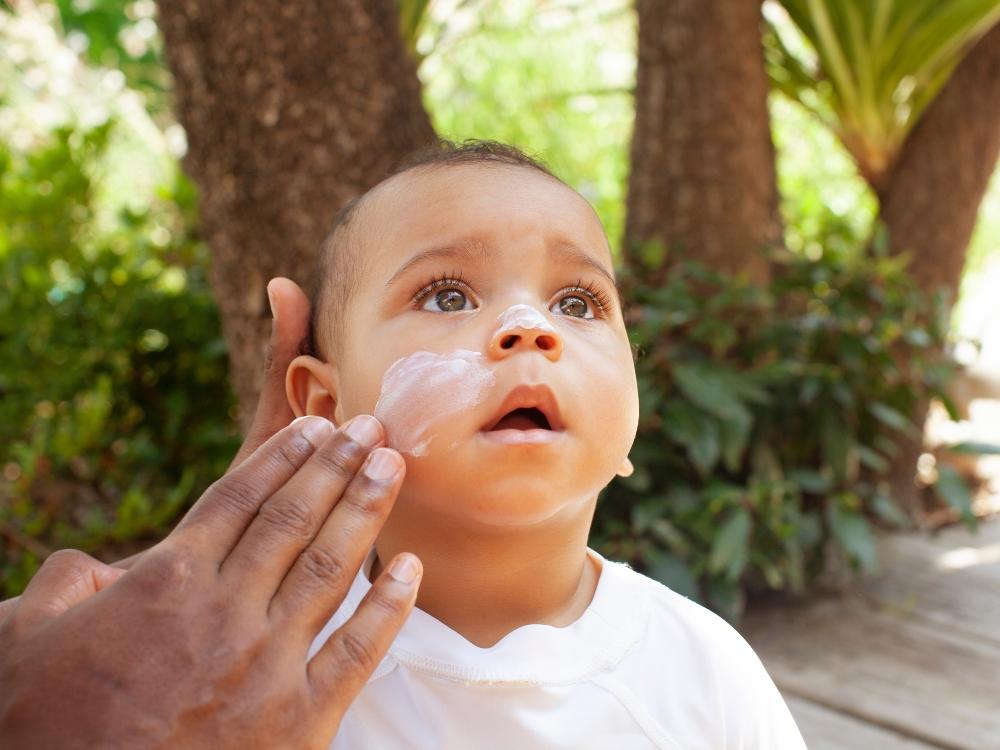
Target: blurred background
(802, 201)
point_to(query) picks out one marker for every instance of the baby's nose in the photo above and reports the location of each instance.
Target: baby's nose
(522, 327)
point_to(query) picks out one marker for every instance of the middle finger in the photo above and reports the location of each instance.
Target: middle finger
(291, 517)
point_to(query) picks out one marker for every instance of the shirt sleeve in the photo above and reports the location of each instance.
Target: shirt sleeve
(757, 717)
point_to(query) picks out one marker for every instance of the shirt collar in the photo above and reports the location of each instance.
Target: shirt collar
(533, 654)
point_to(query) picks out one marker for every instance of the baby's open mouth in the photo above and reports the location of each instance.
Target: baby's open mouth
(530, 408)
(522, 419)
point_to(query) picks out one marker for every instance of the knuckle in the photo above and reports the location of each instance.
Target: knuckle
(290, 515)
(236, 496)
(371, 499)
(67, 558)
(339, 459)
(171, 570)
(322, 566)
(389, 606)
(291, 454)
(359, 651)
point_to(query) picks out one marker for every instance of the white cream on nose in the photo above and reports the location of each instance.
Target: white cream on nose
(423, 389)
(523, 316)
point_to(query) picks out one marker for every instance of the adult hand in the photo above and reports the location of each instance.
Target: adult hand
(203, 643)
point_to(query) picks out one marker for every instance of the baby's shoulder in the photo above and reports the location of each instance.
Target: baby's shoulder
(669, 611)
(688, 644)
(694, 673)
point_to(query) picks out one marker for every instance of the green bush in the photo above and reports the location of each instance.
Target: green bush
(114, 403)
(768, 418)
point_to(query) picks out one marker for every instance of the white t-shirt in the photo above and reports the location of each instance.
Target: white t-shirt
(642, 667)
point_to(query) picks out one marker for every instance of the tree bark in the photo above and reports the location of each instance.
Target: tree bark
(292, 108)
(703, 176)
(944, 167)
(932, 199)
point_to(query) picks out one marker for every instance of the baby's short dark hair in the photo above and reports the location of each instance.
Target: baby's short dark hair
(339, 268)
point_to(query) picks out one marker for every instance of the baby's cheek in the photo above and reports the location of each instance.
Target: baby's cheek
(613, 398)
(423, 390)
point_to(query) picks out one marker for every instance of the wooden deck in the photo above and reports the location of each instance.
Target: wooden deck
(908, 660)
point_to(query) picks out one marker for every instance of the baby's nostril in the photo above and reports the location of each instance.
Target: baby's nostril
(545, 342)
(508, 341)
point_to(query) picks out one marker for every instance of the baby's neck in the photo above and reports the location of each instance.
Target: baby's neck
(484, 586)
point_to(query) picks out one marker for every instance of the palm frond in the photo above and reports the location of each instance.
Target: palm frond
(878, 64)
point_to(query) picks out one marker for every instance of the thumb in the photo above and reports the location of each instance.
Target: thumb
(290, 325)
(67, 578)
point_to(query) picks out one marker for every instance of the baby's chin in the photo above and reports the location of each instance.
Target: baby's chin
(498, 488)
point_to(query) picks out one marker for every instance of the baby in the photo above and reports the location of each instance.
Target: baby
(469, 302)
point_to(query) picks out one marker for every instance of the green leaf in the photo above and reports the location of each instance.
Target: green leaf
(892, 418)
(711, 388)
(835, 439)
(696, 431)
(854, 534)
(872, 459)
(810, 481)
(974, 448)
(954, 490)
(887, 510)
(730, 548)
(735, 436)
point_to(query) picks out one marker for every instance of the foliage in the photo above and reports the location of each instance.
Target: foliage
(769, 417)
(553, 78)
(120, 35)
(825, 205)
(869, 69)
(114, 405)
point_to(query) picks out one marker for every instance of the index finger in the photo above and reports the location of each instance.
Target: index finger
(7, 606)
(226, 509)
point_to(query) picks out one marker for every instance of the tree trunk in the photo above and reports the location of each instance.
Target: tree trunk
(292, 108)
(703, 177)
(933, 196)
(944, 167)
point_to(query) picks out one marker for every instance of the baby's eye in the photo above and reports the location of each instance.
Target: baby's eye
(446, 300)
(573, 305)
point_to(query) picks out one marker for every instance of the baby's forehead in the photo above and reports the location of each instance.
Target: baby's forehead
(479, 204)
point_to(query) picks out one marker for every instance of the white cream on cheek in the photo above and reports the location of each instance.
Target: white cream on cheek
(523, 316)
(423, 389)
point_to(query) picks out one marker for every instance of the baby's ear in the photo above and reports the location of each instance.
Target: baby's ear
(311, 387)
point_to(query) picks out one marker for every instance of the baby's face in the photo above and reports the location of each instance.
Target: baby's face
(478, 279)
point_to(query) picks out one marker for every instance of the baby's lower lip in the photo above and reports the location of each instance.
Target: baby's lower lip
(522, 437)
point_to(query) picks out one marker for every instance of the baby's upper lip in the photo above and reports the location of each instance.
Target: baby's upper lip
(527, 396)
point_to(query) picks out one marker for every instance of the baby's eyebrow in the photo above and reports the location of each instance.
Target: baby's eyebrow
(561, 253)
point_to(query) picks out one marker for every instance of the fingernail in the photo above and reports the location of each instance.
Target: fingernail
(270, 302)
(315, 429)
(381, 465)
(364, 430)
(404, 569)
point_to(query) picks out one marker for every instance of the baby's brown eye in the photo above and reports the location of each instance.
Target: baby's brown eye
(449, 300)
(573, 306)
